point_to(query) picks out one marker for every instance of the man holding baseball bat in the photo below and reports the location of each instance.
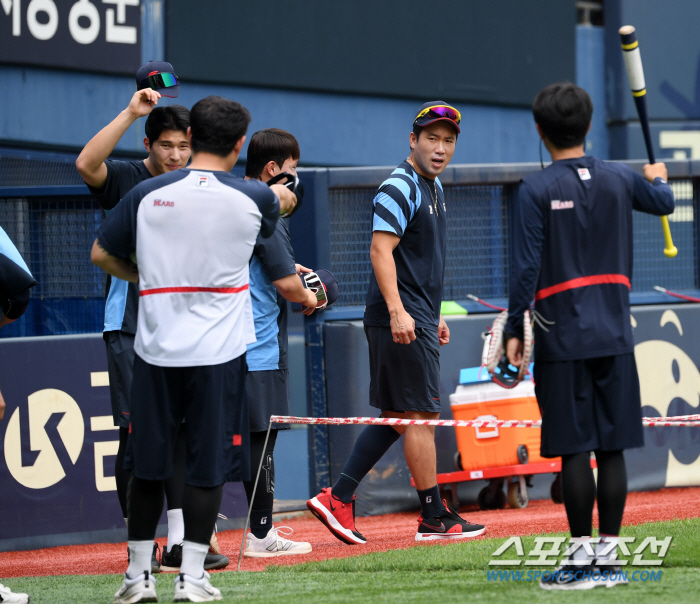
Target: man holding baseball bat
(572, 253)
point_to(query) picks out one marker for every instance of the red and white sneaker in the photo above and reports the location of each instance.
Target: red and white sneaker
(448, 525)
(339, 517)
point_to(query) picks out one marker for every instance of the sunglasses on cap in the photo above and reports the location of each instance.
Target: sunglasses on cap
(159, 80)
(440, 111)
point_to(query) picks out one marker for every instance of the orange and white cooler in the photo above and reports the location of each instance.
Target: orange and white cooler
(477, 397)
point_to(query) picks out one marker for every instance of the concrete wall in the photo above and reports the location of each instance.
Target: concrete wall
(54, 108)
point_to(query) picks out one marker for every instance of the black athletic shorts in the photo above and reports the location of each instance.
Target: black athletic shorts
(212, 400)
(589, 404)
(268, 394)
(404, 377)
(120, 368)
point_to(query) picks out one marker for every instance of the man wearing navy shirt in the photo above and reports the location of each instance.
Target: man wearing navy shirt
(405, 330)
(192, 233)
(274, 280)
(572, 254)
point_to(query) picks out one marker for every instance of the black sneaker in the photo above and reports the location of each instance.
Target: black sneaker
(172, 560)
(448, 525)
(155, 565)
(215, 561)
(575, 577)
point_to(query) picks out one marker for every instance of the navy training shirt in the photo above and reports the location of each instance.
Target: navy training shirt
(273, 259)
(405, 205)
(572, 253)
(122, 306)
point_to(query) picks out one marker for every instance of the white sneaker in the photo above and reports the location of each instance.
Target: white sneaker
(8, 597)
(140, 589)
(189, 589)
(274, 545)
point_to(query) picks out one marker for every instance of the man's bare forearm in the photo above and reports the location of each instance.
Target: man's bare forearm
(90, 162)
(291, 288)
(385, 273)
(121, 269)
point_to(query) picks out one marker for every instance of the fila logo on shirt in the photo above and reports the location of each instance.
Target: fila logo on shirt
(203, 181)
(160, 202)
(584, 174)
(562, 205)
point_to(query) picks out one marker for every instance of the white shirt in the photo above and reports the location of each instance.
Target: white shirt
(193, 233)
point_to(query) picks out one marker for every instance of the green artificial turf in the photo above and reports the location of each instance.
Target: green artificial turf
(448, 573)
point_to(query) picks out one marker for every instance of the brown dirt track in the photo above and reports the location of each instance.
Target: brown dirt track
(395, 531)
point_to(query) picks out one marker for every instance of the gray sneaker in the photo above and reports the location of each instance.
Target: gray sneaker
(140, 589)
(573, 577)
(274, 544)
(189, 589)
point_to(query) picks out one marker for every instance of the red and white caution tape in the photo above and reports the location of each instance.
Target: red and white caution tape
(676, 295)
(669, 421)
(485, 303)
(682, 420)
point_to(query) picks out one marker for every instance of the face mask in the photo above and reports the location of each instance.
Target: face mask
(293, 183)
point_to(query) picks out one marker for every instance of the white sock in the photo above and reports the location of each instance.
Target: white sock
(176, 528)
(603, 544)
(140, 553)
(193, 555)
(583, 554)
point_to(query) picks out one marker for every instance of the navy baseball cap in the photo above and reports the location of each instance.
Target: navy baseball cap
(436, 111)
(330, 283)
(321, 278)
(160, 76)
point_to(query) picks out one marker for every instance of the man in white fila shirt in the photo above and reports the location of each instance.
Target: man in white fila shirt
(192, 232)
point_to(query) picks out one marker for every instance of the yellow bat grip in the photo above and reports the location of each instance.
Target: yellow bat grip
(671, 250)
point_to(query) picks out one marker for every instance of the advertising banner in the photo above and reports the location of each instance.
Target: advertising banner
(59, 445)
(85, 35)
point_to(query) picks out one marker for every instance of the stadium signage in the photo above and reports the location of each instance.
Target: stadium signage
(92, 35)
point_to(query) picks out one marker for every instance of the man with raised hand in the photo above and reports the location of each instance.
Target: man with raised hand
(572, 254)
(405, 330)
(192, 233)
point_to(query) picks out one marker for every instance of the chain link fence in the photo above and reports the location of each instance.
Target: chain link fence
(478, 246)
(54, 233)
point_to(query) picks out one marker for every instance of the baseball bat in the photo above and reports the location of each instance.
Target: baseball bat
(635, 74)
